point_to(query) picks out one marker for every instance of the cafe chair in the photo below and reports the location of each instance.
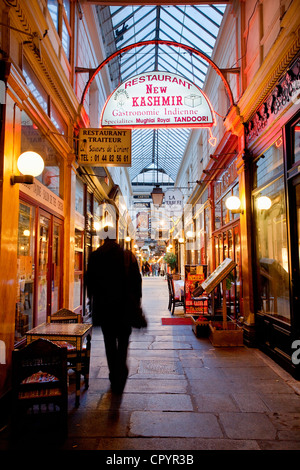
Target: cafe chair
(39, 387)
(65, 315)
(175, 300)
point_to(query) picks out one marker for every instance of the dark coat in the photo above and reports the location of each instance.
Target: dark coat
(113, 280)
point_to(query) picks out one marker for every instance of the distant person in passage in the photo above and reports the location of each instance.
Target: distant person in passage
(110, 277)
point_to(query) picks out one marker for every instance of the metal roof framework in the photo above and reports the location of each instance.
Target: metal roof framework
(157, 154)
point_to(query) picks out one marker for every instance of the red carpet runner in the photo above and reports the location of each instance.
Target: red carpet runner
(176, 321)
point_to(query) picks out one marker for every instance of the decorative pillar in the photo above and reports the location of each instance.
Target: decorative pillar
(69, 231)
(244, 174)
(9, 210)
(234, 123)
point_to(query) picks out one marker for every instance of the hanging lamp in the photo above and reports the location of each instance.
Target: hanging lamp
(157, 194)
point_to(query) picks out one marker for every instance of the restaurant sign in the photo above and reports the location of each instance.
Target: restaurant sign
(157, 99)
(104, 147)
(173, 201)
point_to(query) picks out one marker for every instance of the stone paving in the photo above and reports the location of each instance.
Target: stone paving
(184, 394)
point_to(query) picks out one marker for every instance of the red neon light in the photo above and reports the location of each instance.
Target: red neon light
(156, 42)
(212, 140)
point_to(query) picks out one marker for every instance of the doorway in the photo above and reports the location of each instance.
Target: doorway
(227, 245)
(49, 266)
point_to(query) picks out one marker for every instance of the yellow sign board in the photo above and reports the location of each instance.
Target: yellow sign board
(104, 147)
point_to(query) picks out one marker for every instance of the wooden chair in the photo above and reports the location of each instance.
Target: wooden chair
(65, 315)
(39, 386)
(174, 299)
(169, 290)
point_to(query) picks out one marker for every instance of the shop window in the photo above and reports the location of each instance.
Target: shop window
(35, 87)
(297, 142)
(90, 203)
(56, 275)
(207, 238)
(57, 120)
(33, 139)
(224, 216)
(53, 10)
(78, 269)
(272, 252)
(269, 165)
(25, 271)
(44, 99)
(60, 12)
(218, 215)
(225, 212)
(79, 197)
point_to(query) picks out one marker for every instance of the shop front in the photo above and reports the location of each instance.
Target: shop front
(275, 145)
(226, 236)
(40, 237)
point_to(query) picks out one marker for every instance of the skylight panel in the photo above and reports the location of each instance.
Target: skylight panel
(194, 25)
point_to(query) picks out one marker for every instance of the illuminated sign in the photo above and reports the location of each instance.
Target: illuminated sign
(157, 99)
(104, 147)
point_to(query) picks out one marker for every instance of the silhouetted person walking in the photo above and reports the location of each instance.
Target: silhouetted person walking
(109, 279)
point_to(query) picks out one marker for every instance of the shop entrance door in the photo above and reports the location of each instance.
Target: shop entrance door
(227, 245)
(43, 275)
(56, 265)
(49, 266)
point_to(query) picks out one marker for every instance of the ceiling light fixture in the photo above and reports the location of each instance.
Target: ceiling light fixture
(157, 194)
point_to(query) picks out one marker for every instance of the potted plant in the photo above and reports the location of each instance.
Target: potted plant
(171, 260)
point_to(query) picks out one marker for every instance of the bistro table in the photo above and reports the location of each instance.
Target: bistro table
(72, 333)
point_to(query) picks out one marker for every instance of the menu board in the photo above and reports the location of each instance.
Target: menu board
(218, 275)
(194, 276)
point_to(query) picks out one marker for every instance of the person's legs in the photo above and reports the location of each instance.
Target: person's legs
(110, 342)
(122, 349)
(116, 347)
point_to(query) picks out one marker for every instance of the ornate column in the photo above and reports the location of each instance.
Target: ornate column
(235, 123)
(244, 174)
(69, 230)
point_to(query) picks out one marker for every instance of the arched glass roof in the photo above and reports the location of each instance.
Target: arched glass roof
(158, 153)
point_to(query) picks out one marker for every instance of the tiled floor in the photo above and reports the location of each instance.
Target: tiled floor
(184, 394)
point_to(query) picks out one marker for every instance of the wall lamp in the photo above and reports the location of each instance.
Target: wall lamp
(30, 164)
(233, 204)
(263, 203)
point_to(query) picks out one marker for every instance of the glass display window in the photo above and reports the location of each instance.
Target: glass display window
(79, 197)
(269, 165)
(60, 13)
(296, 153)
(25, 271)
(33, 139)
(78, 269)
(39, 267)
(272, 252)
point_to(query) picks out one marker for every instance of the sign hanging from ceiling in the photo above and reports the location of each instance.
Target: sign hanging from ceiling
(104, 147)
(173, 201)
(157, 99)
